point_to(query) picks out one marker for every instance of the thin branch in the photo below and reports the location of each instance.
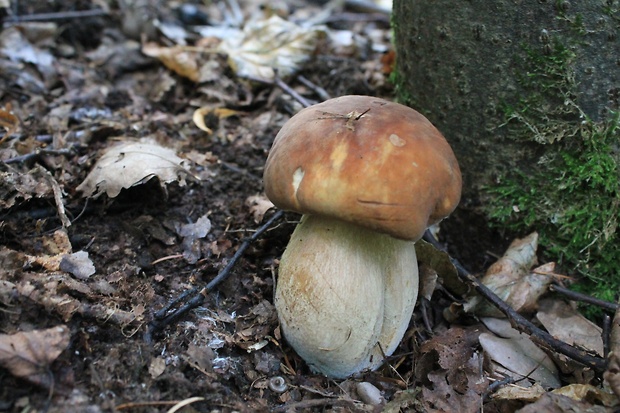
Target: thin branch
(575, 296)
(521, 323)
(64, 15)
(195, 297)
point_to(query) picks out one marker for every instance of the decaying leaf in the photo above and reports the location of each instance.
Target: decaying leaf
(269, 46)
(551, 402)
(564, 323)
(440, 262)
(55, 247)
(16, 47)
(8, 121)
(78, 264)
(588, 393)
(259, 205)
(512, 280)
(17, 187)
(520, 358)
(191, 233)
(185, 61)
(452, 366)
(516, 392)
(130, 164)
(28, 355)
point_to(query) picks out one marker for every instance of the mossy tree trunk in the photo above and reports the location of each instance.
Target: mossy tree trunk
(527, 93)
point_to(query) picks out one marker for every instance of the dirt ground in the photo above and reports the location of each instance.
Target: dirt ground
(84, 84)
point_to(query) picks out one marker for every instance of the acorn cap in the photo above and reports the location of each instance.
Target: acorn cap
(366, 161)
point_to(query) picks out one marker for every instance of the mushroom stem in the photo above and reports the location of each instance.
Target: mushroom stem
(345, 294)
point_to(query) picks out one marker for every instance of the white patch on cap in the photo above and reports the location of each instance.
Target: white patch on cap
(396, 140)
(298, 175)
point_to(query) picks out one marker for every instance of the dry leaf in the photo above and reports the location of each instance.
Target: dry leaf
(28, 355)
(588, 393)
(78, 264)
(8, 121)
(511, 279)
(259, 205)
(55, 248)
(17, 187)
(514, 392)
(130, 164)
(203, 113)
(180, 59)
(440, 262)
(452, 366)
(557, 403)
(519, 356)
(191, 233)
(269, 46)
(157, 367)
(564, 323)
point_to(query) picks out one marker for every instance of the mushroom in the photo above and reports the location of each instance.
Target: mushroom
(369, 176)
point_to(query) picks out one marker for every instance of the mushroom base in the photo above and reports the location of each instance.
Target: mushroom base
(345, 295)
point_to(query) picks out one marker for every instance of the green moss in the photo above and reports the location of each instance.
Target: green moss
(572, 197)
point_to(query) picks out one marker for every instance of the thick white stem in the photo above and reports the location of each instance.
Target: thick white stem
(345, 295)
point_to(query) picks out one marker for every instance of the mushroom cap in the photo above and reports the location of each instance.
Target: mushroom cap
(366, 161)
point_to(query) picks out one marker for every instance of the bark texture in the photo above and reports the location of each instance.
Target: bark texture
(467, 66)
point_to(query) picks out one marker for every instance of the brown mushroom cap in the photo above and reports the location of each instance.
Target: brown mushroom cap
(366, 161)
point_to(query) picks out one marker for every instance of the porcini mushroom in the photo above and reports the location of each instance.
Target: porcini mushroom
(369, 176)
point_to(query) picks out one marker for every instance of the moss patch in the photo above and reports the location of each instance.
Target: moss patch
(572, 197)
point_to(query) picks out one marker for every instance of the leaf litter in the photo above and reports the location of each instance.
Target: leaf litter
(202, 94)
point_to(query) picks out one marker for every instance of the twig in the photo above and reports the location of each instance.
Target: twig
(573, 295)
(321, 93)
(65, 15)
(195, 297)
(282, 85)
(37, 153)
(521, 323)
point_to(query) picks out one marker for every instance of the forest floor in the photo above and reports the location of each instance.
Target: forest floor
(85, 267)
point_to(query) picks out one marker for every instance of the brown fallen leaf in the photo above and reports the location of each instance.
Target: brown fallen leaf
(9, 122)
(28, 355)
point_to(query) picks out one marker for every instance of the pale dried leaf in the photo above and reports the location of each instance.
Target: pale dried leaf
(78, 264)
(15, 46)
(130, 164)
(270, 46)
(258, 205)
(564, 323)
(557, 403)
(157, 367)
(612, 374)
(28, 355)
(191, 233)
(524, 394)
(203, 113)
(588, 393)
(511, 279)
(518, 354)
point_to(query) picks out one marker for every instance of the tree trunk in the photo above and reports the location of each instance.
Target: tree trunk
(526, 93)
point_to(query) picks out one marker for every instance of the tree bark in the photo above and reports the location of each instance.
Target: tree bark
(487, 72)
